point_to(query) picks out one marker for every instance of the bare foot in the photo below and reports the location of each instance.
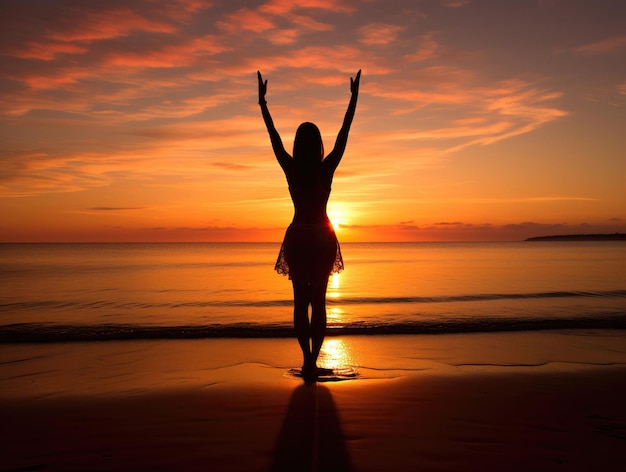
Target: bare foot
(320, 371)
(309, 371)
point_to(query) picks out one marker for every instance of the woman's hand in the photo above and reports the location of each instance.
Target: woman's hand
(354, 83)
(263, 88)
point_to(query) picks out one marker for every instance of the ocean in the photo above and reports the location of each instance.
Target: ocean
(96, 292)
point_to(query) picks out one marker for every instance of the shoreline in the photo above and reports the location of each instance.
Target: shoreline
(48, 370)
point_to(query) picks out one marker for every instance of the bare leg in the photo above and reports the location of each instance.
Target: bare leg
(318, 318)
(301, 301)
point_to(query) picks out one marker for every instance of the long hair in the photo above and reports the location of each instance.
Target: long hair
(308, 153)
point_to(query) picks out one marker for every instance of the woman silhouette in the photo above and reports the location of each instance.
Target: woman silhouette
(310, 251)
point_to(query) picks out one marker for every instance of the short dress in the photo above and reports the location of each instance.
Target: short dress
(310, 252)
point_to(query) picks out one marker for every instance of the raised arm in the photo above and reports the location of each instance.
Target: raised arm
(277, 143)
(334, 158)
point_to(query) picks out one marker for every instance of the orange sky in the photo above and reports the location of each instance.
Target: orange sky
(477, 120)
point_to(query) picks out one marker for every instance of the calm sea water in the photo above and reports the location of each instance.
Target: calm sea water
(110, 291)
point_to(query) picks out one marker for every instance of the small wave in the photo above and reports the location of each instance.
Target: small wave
(49, 332)
(65, 304)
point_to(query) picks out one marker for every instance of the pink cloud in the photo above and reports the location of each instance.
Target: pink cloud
(180, 151)
(443, 85)
(89, 25)
(281, 7)
(455, 3)
(176, 109)
(454, 132)
(286, 10)
(27, 174)
(379, 33)
(524, 109)
(246, 20)
(175, 55)
(308, 22)
(49, 50)
(284, 36)
(57, 79)
(140, 98)
(182, 10)
(259, 21)
(603, 46)
(232, 166)
(517, 99)
(428, 49)
(346, 58)
(494, 113)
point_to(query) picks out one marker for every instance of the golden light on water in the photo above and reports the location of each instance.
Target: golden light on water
(334, 315)
(333, 286)
(335, 354)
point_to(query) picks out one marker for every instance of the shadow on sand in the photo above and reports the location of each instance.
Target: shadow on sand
(311, 437)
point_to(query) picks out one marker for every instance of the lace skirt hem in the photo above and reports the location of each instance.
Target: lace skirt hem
(309, 253)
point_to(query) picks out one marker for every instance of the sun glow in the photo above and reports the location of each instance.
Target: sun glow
(338, 215)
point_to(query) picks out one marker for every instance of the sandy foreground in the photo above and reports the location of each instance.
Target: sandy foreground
(505, 401)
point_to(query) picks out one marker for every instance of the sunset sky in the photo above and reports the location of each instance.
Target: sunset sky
(477, 120)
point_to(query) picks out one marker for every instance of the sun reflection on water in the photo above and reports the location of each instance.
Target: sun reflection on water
(335, 354)
(333, 286)
(335, 316)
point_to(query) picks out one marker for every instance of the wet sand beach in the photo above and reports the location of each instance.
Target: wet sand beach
(504, 401)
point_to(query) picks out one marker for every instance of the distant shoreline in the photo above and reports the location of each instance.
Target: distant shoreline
(581, 237)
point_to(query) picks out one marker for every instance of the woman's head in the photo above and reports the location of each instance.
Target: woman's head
(308, 144)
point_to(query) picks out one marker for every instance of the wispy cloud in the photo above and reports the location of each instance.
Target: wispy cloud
(104, 208)
(245, 19)
(455, 3)
(379, 33)
(495, 113)
(281, 7)
(603, 46)
(232, 166)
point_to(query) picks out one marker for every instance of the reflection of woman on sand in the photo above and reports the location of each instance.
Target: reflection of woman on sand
(310, 251)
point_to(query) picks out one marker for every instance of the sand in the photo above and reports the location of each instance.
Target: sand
(509, 401)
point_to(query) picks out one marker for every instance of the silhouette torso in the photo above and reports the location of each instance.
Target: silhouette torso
(310, 196)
